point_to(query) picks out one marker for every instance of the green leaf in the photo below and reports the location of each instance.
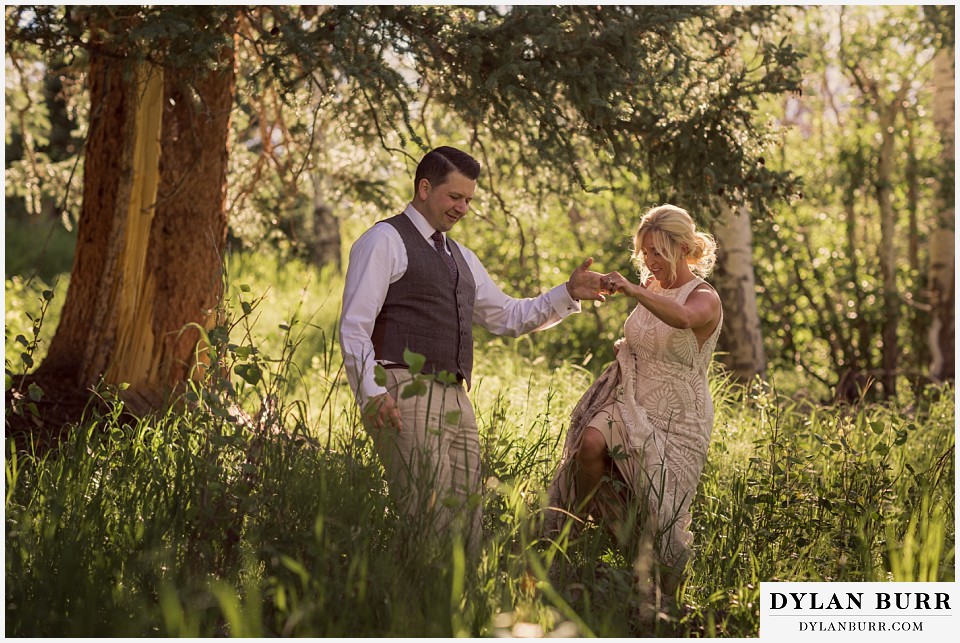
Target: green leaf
(877, 427)
(26, 359)
(244, 288)
(453, 417)
(380, 375)
(417, 387)
(618, 453)
(22, 340)
(450, 502)
(446, 378)
(47, 295)
(220, 440)
(35, 392)
(414, 360)
(250, 373)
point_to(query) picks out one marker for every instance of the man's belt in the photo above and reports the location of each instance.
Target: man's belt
(460, 377)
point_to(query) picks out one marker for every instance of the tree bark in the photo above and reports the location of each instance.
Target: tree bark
(912, 178)
(940, 336)
(917, 311)
(325, 244)
(152, 227)
(325, 241)
(888, 255)
(84, 341)
(191, 223)
(741, 338)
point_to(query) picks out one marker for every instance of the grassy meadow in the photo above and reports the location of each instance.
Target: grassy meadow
(198, 522)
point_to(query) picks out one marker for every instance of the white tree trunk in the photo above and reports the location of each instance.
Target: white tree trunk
(741, 338)
(888, 253)
(942, 234)
(325, 224)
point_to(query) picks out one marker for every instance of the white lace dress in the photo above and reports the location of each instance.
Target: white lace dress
(653, 407)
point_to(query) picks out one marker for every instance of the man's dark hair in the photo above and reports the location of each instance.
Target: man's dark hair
(439, 162)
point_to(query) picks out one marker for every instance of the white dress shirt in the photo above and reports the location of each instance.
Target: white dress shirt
(379, 258)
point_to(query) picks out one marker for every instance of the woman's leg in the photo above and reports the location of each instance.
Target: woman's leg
(592, 461)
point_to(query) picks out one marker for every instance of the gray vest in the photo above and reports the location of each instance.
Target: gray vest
(424, 311)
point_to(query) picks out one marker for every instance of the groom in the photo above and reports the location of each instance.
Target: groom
(412, 289)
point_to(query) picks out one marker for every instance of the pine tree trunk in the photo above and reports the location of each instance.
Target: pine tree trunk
(190, 228)
(152, 227)
(942, 235)
(85, 340)
(741, 338)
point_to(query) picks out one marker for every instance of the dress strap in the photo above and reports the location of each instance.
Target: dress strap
(684, 291)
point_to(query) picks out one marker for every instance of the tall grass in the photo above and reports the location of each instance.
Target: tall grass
(257, 506)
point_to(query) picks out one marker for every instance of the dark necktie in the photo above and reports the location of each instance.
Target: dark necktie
(437, 238)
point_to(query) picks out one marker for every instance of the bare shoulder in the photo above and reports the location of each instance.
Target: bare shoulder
(704, 294)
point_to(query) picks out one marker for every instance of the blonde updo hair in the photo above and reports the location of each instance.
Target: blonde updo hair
(671, 228)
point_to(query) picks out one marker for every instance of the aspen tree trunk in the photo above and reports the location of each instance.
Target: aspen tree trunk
(325, 245)
(918, 317)
(940, 336)
(325, 240)
(152, 228)
(852, 380)
(888, 255)
(741, 337)
(326, 229)
(912, 178)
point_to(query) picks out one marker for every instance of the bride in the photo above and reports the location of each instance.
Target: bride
(638, 438)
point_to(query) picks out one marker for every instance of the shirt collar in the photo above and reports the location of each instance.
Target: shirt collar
(420, 222)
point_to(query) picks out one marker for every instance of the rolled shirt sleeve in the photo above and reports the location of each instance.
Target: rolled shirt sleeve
(505, 315)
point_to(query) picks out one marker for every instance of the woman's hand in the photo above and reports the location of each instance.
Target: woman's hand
(614, 282)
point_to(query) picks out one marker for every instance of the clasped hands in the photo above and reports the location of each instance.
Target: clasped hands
(588, 284)
(381, 411)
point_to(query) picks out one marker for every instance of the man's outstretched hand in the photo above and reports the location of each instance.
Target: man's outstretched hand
(585, 283)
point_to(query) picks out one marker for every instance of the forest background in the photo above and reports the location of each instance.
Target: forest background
(815, 143)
